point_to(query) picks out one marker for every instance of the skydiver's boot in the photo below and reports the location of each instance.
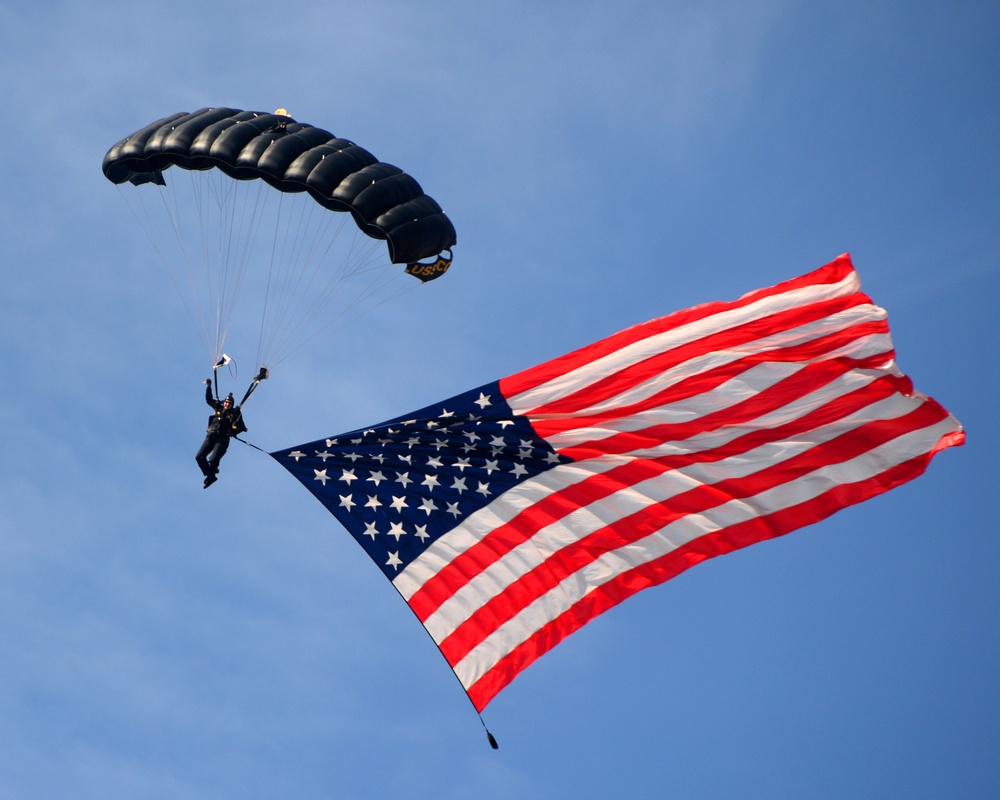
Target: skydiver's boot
(210, 480)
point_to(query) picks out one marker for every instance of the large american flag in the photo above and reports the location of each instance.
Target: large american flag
(511, 515)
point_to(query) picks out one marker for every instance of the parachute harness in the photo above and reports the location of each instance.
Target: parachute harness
(263, 375)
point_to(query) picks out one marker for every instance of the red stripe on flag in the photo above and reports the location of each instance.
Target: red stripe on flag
(777, 396)
(629, 529)
(812, 374)
(741, 336)
(832, 273)
(656, 572)
(504, 538)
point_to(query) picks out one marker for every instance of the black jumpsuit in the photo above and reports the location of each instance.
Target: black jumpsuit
(223, 424)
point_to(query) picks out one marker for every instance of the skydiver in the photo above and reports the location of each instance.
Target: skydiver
(225, 422)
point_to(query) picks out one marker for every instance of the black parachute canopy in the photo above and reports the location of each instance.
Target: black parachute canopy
(291, 156)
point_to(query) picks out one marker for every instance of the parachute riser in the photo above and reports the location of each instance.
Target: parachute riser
(263, 375)
(215, 372)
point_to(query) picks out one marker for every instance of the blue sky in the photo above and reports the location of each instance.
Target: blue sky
(603, 164)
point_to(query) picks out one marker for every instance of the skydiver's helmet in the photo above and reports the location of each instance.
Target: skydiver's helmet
(229, 399)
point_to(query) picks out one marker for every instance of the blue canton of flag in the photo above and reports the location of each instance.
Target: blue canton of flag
(399, 486)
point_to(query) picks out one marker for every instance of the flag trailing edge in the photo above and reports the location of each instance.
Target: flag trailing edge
(509, 516)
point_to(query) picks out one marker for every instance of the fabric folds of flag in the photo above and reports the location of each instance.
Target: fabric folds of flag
(511, 515)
